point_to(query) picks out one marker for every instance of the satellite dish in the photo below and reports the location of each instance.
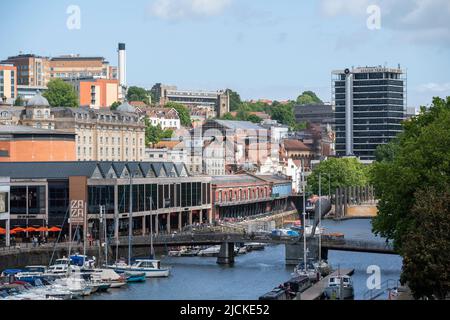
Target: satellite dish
(347, 71)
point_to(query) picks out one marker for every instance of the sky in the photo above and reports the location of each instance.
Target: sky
(264, 49)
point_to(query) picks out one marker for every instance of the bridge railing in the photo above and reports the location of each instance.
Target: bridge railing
(363, 244)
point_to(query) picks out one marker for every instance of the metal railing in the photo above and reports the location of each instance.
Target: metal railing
(385, 287)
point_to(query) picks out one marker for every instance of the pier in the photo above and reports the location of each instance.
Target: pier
(316, 291)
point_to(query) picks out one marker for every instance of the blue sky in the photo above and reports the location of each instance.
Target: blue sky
(272, 49)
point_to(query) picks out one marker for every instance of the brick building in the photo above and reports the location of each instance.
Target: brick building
(27, 144)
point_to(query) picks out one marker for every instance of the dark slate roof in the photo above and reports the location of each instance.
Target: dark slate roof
(7, 129)
(157, 167)
(168, 166)
(179, 167)
(49, 170)
(62, 170)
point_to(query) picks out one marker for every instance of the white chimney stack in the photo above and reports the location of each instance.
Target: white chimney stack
(122, 71)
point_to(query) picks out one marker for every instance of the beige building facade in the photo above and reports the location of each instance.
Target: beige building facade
(101, 135)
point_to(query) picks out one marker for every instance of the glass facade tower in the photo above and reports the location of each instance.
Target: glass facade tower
(370, 106)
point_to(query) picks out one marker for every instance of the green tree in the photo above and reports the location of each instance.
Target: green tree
(426, 246)
(254, 118)
(115, 105)
(154, 134)
(61, 94)
(386, 152)
(344, 172)
(235, 100)
(284, 113)
(138, 94)
(183, 112)
(308, 97)
(228, 116)
(420, 160)
(19, 102)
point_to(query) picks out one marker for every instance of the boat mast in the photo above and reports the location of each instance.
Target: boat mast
(320, 216)
(304, 216)
(151, 228)
(130, 219)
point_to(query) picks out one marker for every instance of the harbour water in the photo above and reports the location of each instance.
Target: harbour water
(255, 273)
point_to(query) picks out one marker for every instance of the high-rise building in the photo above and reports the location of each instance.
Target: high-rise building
(76, 66)
(32, 70)
(37, 71)
(8, 83)
(370, 106)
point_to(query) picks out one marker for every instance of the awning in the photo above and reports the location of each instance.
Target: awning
(30, 229)
(54, 229)
(42, 229)
(18, 229)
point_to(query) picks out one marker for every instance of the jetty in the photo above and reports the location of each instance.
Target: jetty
(316, 291)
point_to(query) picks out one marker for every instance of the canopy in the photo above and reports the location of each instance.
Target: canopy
(12, 232)
(18, 229)
(42, 229)
(54, 229)
(2, 231)
(30, 229)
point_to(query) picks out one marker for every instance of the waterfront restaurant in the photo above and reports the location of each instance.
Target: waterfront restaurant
(48, 193)
(245, 195)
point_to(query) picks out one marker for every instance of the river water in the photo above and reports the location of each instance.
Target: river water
(255, 273)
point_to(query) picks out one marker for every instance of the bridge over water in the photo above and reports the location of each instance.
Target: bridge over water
(294, 246)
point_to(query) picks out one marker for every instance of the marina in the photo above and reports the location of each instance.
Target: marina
(251, 276)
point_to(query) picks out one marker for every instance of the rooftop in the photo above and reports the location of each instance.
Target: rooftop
(296, 145)
(234, 178)
(7, 129)
(242, 125)
(90, 169)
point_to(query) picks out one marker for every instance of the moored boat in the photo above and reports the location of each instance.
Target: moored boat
(133, 276)
(339, 287)
(151, 268)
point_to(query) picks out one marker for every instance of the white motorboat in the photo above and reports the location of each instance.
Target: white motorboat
(107, 277)
(240, 250)
(339, 287)
(209, 252)
(75, 284)
(151, 268)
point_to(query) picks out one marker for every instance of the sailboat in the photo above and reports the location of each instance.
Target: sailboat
(150, 267)
(305, 268)
(322, 265)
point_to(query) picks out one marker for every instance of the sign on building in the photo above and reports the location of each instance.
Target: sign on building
(77, 212)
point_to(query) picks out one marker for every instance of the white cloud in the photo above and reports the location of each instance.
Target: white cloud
(435, 87)
(414, 21)
(187, 9)
(337, 7)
